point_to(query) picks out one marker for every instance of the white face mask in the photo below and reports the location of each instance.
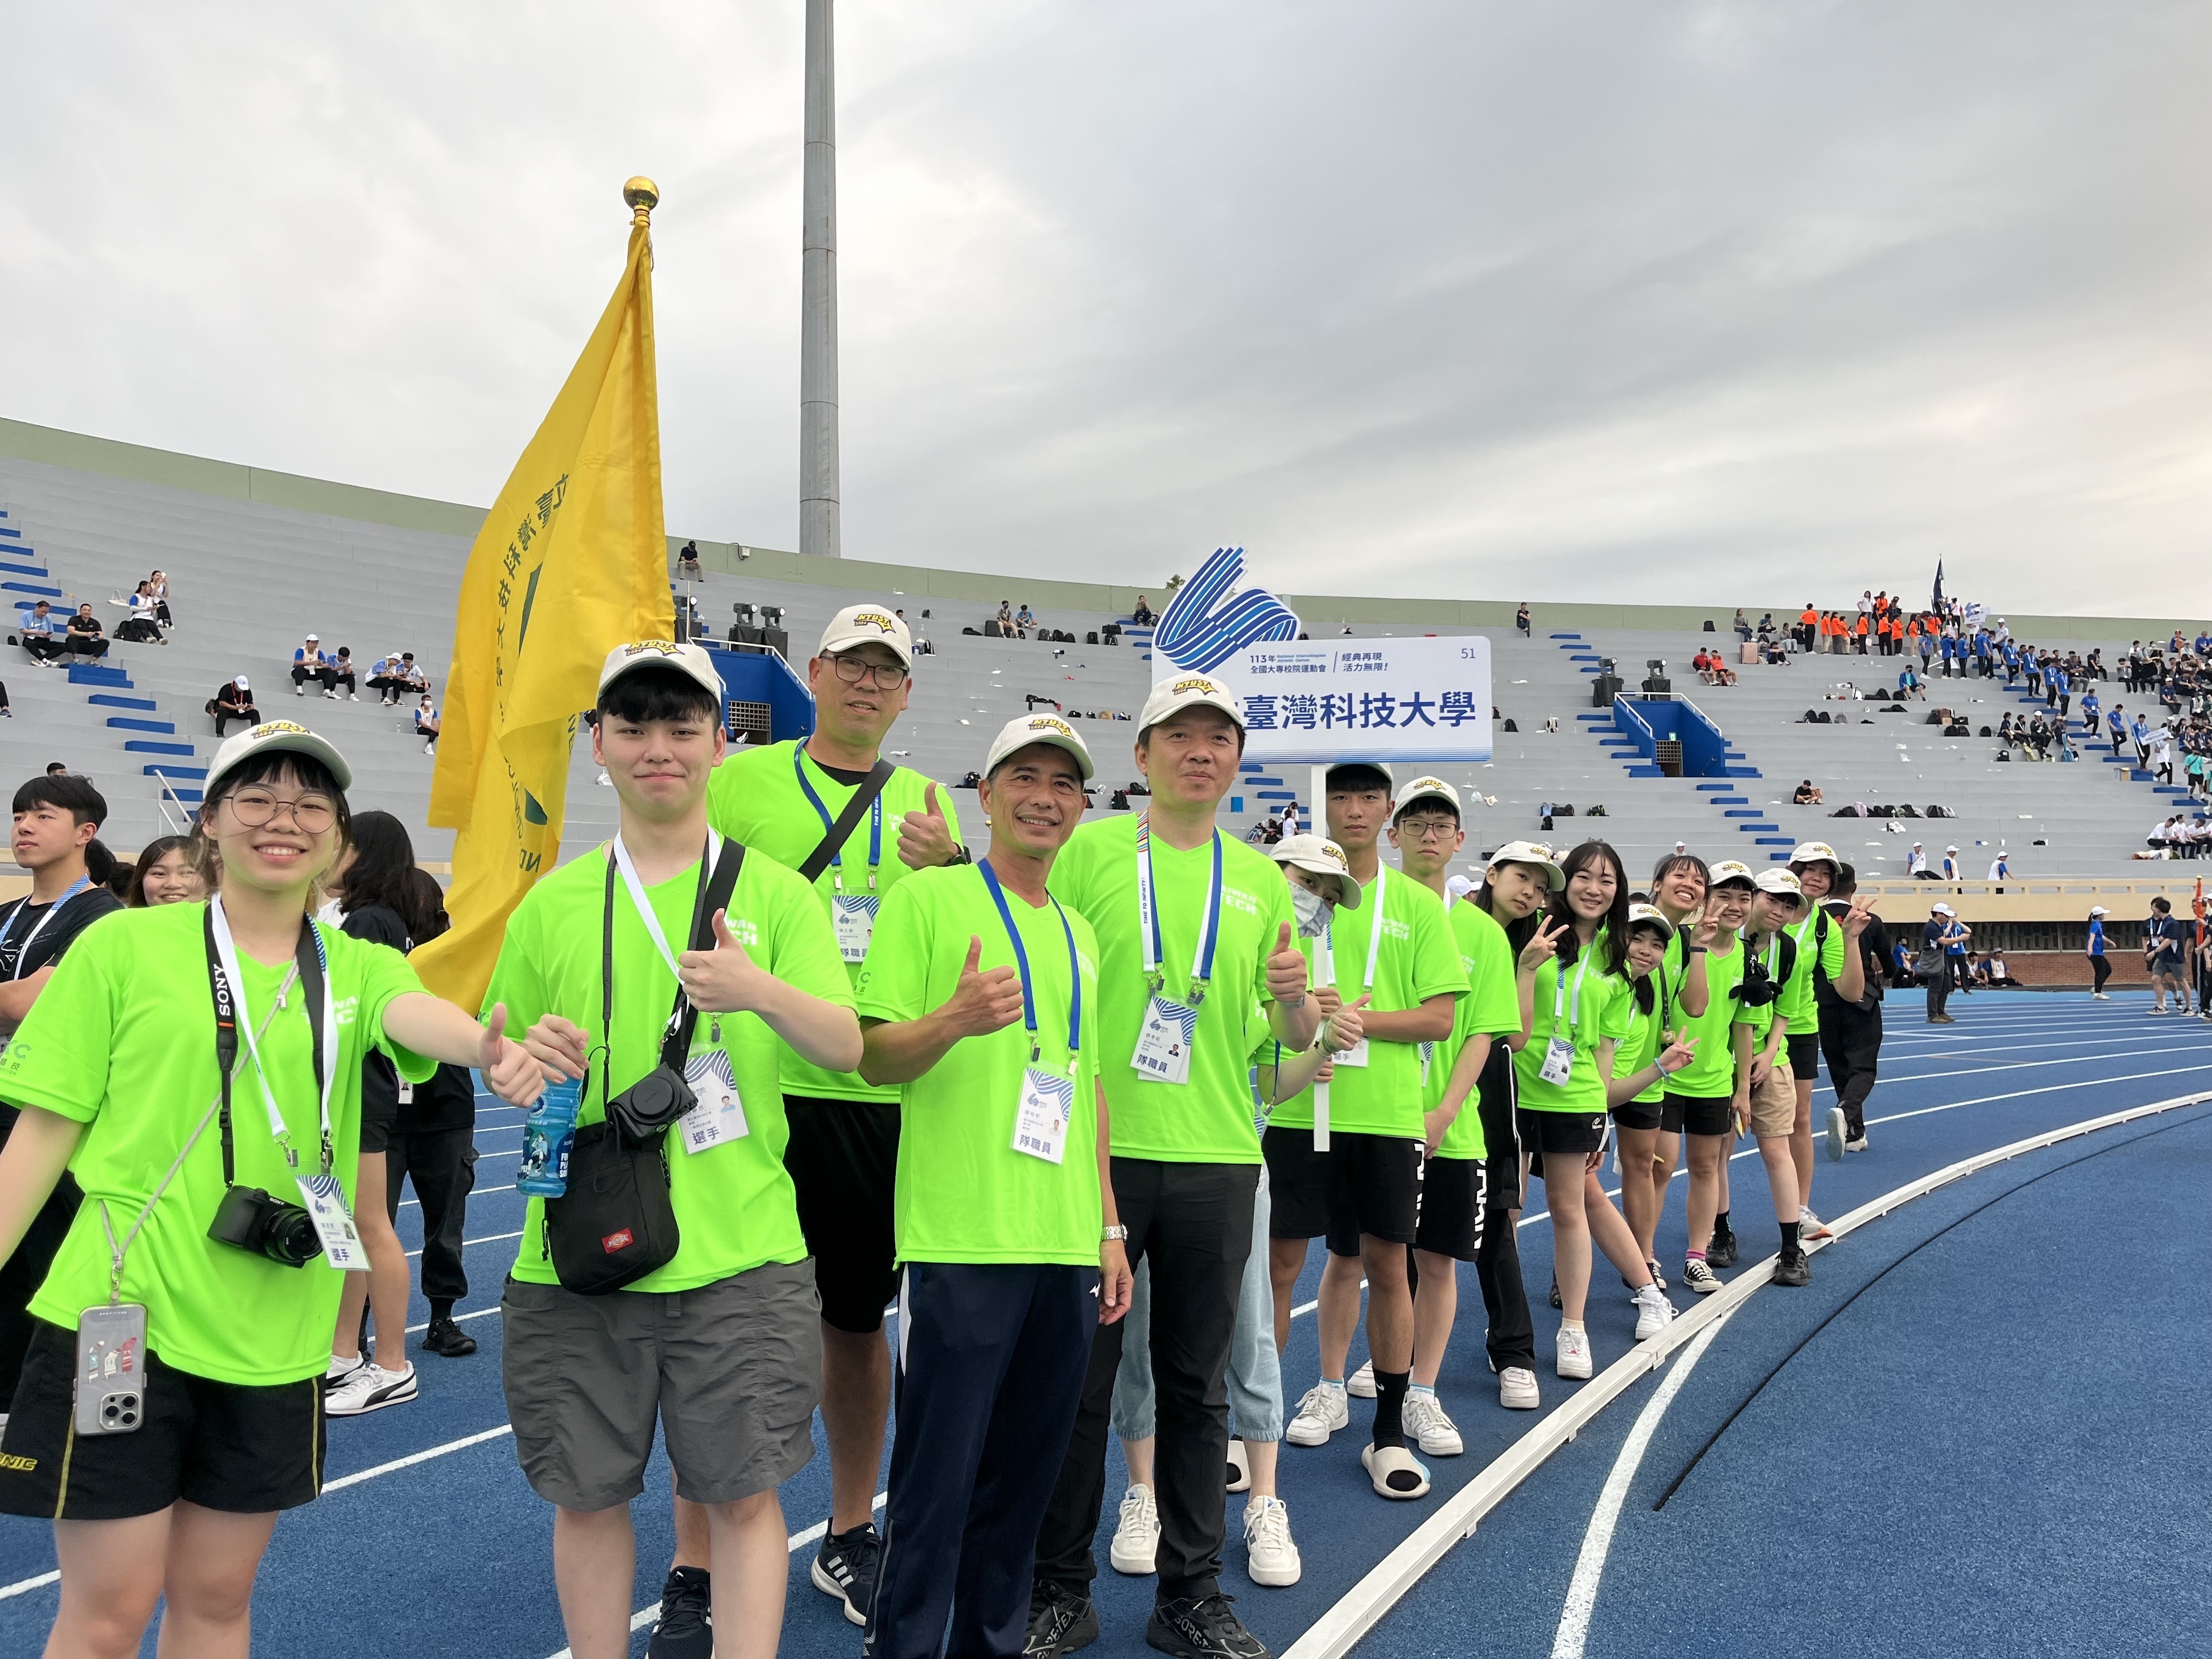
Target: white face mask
(1312, 911)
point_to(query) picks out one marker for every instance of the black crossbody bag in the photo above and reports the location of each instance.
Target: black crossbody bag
(616, 1224)
(839, 833)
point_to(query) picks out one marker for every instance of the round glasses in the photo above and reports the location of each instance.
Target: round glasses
(253, 808)
(859, 671)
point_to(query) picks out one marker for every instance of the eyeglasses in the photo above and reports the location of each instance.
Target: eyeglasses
(1428, 828)
(859, 671)
(311, 814)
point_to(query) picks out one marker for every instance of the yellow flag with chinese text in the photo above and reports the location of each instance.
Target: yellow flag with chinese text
(572, 562)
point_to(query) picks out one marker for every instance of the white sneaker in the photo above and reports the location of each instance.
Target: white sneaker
(1320, 1414)
(332, 695)
(369, 1388)
(356, 696)
(1574, 1356)
(1516, 1389)
(339, 1369)
(1425, 1420)
(2102, 996)
(1838, 1133)
(1137, 1538)
(429, 748)
(1271, 1555)
(1240, 1467)
(1810, 1226)
(299, 690)
(1361, 1382)
(1655, 1313)
(1858, 1145)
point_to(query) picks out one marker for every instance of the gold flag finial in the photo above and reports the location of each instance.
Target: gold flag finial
(642, 195)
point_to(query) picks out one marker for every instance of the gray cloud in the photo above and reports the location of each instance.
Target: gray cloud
(1700, 302)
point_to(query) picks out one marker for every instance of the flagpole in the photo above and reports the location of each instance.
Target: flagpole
(819, 532)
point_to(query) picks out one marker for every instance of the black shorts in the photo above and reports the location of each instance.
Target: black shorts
(1698, 1115)
(221, 1445)
(1453, 1193)
(843, 1158)
(1569, 1134)
(1804, 1056)
(1640, 1114)
(377, 1122)
(1363, 1184)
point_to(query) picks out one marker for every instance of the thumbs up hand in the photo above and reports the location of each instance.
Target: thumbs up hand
(1286, 969)
(982, 1002)
(725, 980)
(925, 839)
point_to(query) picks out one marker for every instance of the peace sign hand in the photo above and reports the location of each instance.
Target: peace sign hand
(1542, 947)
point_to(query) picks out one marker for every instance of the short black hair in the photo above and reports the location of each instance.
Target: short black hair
(655, 692)
(1358, 774)
(74, 796)
(2155, 904)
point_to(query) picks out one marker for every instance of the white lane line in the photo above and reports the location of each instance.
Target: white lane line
(26, 1584)
(645, 1615)
(489, 1239)
(1573, 1633)
(409, 1462)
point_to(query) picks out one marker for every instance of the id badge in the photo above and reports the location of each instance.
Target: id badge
(856, 916)
(1163, 1042)
(719, 1116)
(1558, 1061)
(326, 1209)
(1040, 1121)
(406, 1092)
(1355, 1055)
(111, 1369)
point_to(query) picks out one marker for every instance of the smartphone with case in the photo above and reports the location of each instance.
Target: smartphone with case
(111, 1369)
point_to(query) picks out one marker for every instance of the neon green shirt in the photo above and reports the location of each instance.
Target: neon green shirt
(1761, 1019)
(1490, 1007)
(1208, 1119)
(1710, 1074)
(1603, 1003)
(1418, 959)
(735, 1206)
(123, 1041)
(1798, 1000)
(755, 796)
(964, 1192)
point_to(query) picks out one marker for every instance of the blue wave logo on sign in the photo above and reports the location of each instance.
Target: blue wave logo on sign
(1205, 625)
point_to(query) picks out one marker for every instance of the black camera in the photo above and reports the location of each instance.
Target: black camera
(1759, 987)
(250, 1219)
(651, 1104)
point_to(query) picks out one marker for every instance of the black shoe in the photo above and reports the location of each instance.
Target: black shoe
(1555, 1292)
(1193, 1627)
(1061, 1621)
(846, 1566)
(1791, 1268)
(685, 1629)
(1721, 1252)
(444, 1337)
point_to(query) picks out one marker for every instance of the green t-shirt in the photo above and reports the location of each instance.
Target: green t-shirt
(1710, 1074)
(1599, 1011)
(755, 796)
(1490, 1007)
(964, 1192)
(1208, 1119)
(1761, 1019)
(1418, 959)
(735, 1206)
(123, 1040)
(1798, 1002)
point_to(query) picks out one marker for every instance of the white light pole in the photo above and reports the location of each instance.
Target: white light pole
(818, 532)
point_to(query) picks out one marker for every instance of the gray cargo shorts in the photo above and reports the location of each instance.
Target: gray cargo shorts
(732, 1371)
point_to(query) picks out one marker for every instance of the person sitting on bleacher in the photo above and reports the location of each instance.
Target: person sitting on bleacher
(158, 585)
(85, 637)
(342, 673)
(311, 662)
(232, 701)
(42, 634)
(418, 683)
(387, 676)
(1142, 616)
(141, 626)
(426, 724)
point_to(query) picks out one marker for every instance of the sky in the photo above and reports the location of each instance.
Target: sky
(1710, 303)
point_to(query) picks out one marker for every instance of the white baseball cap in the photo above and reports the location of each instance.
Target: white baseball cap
(1943, 910)
(1320, 856)
(1172, 696)
(1531, 851)
(1729, 870)
(1024, 730)
(1650, 916)
(1813, 852)
(240, 684)
(2099, 910)
(1953, 848)
(687, 660)
(318, 638)
(1426, 787)
(1776, 879)
(867, 624)
(1389, 780)
(274, 734)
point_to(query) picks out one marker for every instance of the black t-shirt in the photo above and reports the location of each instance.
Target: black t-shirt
(20, 920)
(845, 775)
(448, 1100)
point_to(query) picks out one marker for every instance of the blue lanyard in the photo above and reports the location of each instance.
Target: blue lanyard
(1148, 917)
(875, 822)
(1022, 965)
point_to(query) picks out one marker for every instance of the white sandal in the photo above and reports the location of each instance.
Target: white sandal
(1395, 1472)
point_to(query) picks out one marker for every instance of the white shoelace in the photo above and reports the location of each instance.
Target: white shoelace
(1269, 1526)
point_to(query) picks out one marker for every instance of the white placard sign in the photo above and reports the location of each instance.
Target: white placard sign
(1316, 701)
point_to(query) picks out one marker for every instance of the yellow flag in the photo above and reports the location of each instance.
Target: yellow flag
(572, 562)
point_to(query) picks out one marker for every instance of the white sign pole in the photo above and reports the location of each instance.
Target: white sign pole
(1317, 810)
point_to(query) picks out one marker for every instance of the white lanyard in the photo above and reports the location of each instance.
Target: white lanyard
(645, 910)
(226, 953)
(1559, 991)
(1148, 921)
(1374, 934)
(53, 910)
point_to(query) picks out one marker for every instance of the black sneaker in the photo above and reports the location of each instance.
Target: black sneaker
(1791, 1268)
(1195, 1627)
(1721, 1252)
(1555, 1298)
(685, 1628)
(1061, 1621)
(444, 1337)
(846, 1566)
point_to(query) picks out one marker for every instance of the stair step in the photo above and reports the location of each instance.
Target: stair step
(1743, 813)
(1741, 772)
(109, 700)
(1586, 656)
(37, 589)
(1563, 636)
(1645, 772)
(189, 797)
(164, 769)
(154, 746)
(132, 723)
(1731, 800)
(1601, 717)
(1721, 786)
(85, 673)
(1771, 840)
(23, 570)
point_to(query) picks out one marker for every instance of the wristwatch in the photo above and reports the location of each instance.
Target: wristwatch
(1111, 1235)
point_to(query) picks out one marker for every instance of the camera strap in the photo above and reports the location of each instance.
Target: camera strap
(308, 970)
(718, 866)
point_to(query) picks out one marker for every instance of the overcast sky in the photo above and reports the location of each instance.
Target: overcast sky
(1715, 303)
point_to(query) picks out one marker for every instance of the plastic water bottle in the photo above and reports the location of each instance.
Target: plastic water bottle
(547, 1135)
